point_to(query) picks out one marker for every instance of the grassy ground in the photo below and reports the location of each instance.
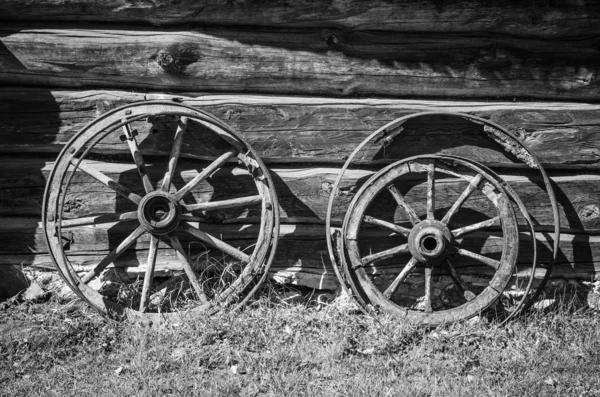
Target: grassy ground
(60, 349)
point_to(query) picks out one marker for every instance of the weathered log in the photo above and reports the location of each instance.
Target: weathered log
(532, 18)
(298, 62)
(303, 193)
(302, 258)
(326, 130)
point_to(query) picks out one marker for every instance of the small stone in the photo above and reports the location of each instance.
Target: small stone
(118, 370)
(369, 351)
(550, 381)
(543, 304)
(34, 293)
(593, 300)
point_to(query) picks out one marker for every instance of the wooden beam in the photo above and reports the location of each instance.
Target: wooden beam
(532, 18)
(286, 129)
(303, 193)
(299, 62)
(305, 261)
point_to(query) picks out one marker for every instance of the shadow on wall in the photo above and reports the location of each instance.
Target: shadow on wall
(29, 119)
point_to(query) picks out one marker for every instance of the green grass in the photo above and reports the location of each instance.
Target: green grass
(271, 349)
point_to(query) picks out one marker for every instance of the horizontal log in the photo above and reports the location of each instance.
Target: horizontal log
(532, 18)
(299, 129)
(303, 193)
(300, 62)
(302, 259)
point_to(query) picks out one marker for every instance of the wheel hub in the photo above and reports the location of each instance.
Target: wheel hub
(159, 213)
(429, 241)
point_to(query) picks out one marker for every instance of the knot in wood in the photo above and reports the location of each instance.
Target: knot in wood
(332, 40)
(165, 60)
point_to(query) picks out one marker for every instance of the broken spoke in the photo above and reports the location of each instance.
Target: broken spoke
(137, 156)
(175, 151)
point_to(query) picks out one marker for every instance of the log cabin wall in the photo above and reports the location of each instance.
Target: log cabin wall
(305, 82)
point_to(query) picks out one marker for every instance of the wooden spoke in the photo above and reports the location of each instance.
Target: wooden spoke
(462, 198)
(223, 204)
(148, 277)
(428, 289)
(400, 278)
(175, 151)
(187, 267)
(100, 177)
(387, 225)
(431, 190)
(214, 166)
(99, 219)
(483, 259)
(412, 215)
(108, 259)
(215, 242)
(476, 226)
(137, 157)
(248, 161)
(401, 249)
(460, 285)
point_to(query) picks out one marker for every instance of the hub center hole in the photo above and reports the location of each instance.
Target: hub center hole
(160, 213)
(157, 210)
(429, 243)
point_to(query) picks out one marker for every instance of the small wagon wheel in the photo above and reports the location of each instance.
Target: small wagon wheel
(432, 245)
(160, 214)
(335, 237)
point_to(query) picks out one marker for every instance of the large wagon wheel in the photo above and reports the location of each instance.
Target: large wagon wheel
(159, 214)
(337, 239)
(430, 246)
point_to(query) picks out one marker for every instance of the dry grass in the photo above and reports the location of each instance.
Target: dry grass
(275, 349)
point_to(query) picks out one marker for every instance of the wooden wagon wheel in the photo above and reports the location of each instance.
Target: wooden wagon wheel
(431, 245)
(337, 249)
(160, 214)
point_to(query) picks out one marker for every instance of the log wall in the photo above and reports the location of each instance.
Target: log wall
(305, 83)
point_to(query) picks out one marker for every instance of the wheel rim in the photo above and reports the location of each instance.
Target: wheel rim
(164, 212)
(390, 130)
(431, 244)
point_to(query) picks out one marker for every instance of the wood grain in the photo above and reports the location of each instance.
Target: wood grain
(285, 129)
(298, 62)
(303, 193)
(532, 18)
(302, 257)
